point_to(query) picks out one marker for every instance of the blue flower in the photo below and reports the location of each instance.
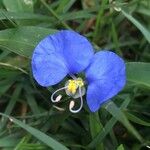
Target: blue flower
(67, 52)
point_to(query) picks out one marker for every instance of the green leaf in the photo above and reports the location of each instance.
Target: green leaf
(5, 65)
(144, 11)
(64, 5)
(98, 26)
(8, 142)
(77, 15)
(38, 134)
(11, 105)
(115, 39)
(141, 27)
(120, 116)
(139, 73)
(5, 85)
(23, 15)
(33, 104)
(137, 120)
(95, 127)
(68, 5)
(107, 128)
(22, 40)
(19, 5)
(120, 147)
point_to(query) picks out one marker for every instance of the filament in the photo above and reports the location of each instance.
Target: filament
(58, 98)
(72, 103)
(73, 76)
(59, 108)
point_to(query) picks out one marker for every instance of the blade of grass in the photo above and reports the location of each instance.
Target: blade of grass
(97, 29)
(64, 6)
(24, 140)
(10, 105)
(95, 128)
(33, 104)
(8, 142)
(120, 147)
(115, 39)
(54, 14)
(137, 120)
(5, 85)
(120, 116)
(139, 73)
(22, 40)
(20, 16)
(68, 5)
(50, 142)
(13, 67)
(31, 101)
(141, 27)
(107, 128)
(18, 6)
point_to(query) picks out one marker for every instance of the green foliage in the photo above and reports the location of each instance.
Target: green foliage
(29, 121)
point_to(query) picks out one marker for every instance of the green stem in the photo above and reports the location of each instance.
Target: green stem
(115, 39)
(95, 128)
(54, 14)
(99, 21)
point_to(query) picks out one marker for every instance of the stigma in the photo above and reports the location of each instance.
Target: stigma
(73, 85)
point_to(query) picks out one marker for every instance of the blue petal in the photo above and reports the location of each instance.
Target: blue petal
(106, 77)
(48, 70)
(59, 54)
(48, 65)
(77, 50)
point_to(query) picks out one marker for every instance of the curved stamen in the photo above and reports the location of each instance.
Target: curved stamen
(58, 98)
(72, 103)
(59, 108)
(73, 76)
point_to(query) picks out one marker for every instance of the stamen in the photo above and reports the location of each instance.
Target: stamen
(58, 98)
(59, 108)
(73, 85)
(73, 76)
(72, 103)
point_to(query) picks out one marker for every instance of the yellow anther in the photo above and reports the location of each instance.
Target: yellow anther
(74, 84)
(80, 82)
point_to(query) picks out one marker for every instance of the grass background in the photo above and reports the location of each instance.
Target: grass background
(29, 121)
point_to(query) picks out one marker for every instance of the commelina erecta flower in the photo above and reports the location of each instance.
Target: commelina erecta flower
(69, 53)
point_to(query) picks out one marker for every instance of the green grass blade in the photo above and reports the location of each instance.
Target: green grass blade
(120, 116)
(18, 5)
(23, 16)
(139, 73)
(95, 127)
(143, 29)
(120, 147)
(38, 134)
(99, 19)
(107, 128)
(5, 85)
(33, 104)
(8, 142)
(137, 120)
(11, 105)
(115, 39)
(22, 40)
(54, 14)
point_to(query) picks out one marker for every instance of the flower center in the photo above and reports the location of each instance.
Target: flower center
(75, 89)
(73, 85)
